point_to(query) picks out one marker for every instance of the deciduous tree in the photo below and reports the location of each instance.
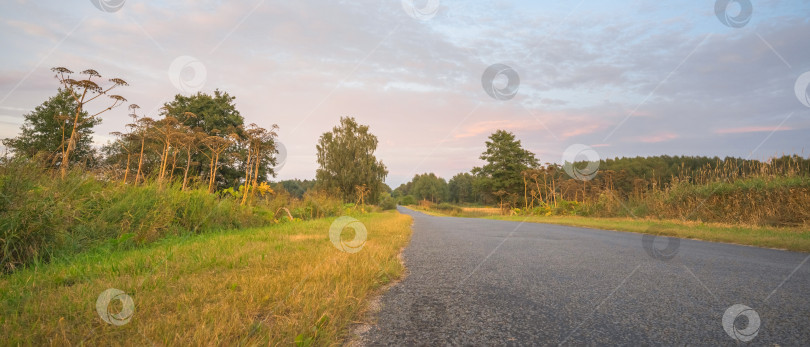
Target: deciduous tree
(346, 160)
(47, 129)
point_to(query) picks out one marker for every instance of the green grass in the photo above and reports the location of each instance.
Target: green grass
(44, 216)
(793, 239)
(266, 285)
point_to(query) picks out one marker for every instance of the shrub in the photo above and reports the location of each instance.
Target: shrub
(42, 216)
(387, 202)
(319, 204)
(407, 200)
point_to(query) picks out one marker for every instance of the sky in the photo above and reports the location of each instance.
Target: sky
(434, 78)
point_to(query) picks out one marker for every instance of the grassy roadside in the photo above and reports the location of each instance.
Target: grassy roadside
(793, 239)
(255, 286)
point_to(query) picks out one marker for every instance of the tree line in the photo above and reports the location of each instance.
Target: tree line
(198, 140)
(513, 177)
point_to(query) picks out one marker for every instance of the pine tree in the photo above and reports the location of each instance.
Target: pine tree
(506, 159)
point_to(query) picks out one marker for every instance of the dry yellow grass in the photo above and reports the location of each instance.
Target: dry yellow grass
(259, 286)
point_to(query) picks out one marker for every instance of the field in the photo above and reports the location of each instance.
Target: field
(282, 284)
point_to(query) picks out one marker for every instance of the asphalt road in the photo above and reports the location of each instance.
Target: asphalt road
(484, 282)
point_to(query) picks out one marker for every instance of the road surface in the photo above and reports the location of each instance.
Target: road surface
(485, 282)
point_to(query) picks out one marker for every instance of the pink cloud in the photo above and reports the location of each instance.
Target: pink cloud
(581, 130)
(30, 28)
(753, 129)
(662, 137)
(487, 127)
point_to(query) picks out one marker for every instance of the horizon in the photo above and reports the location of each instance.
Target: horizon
(646, 79)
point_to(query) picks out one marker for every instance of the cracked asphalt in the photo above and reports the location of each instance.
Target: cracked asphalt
(485, 282)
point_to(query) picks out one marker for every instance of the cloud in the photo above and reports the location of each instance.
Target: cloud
(752, 129)
(488, 127)
(655, 138)
(303, 64)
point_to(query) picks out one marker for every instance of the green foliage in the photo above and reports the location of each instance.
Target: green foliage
(346, 160)
(47, 129)
(297, 187)
(460, 188)
(407, 200)
(213, 112)
(215, 115)
(42, 217)
(429, 187)
(387, 202)
(506, 160)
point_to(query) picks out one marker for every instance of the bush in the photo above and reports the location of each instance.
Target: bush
(319, 204)
(31, 215)
(387, 202)
(407, 200)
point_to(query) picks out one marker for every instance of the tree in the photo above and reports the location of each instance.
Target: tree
(214, 115)
(46, 130)
(297, 187)
(83, 92)
(403, 190)
(460, 188)
(428, 186)
(501, 176)
(346, 160)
